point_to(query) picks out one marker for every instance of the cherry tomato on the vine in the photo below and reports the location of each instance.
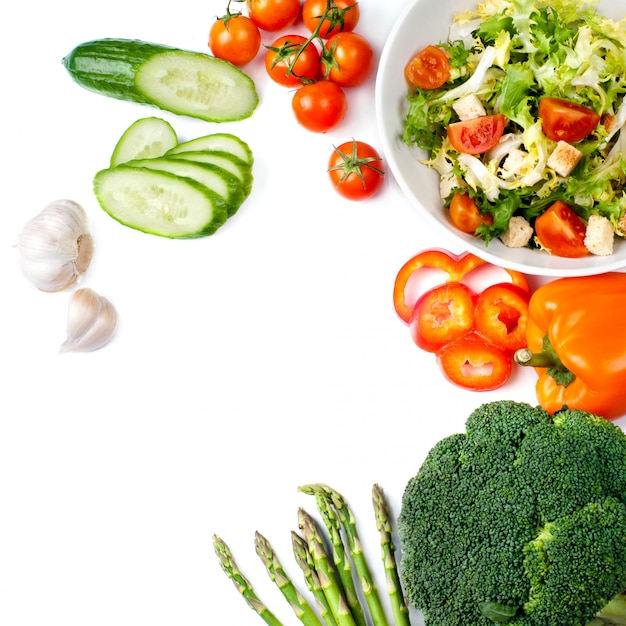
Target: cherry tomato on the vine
(291, 61)
(338, 16)
(235, 38)
(428, 69)
(562, 120)
(356, 170)
(561, 231)
(478, 134)
(349, 59)
(273, 15)
(465, 214)
(320, 106)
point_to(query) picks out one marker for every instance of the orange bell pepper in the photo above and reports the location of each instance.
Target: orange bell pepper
(576, 341)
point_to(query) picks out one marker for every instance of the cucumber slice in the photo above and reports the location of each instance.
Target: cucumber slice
(223, 142)
(146, 138)
(219, 180)
(225, 160)
(159, 203)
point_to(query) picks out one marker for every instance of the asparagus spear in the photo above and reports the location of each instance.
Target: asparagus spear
(383, 522)
(305, 562)
(242, 584)
(343, 565)
(327, 576)
(299, 604)
(348, 523)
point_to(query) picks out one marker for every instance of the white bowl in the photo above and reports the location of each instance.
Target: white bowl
(424, 22)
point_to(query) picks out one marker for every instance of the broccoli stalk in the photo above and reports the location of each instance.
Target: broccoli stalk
(613, 614)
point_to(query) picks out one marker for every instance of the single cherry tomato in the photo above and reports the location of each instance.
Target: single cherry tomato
(273, 15)
(292, 60)
(235, 38)
(561, 231)
(477, 135)
(472, 363)
(348, 59)
(337, 15)
(356, 170)
(320, 106)
(562, 120)
(443, 314)
(465, 214)
(501, 316)
(428, 69)
(408, 289)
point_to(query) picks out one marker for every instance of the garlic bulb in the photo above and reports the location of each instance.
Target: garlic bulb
(55, 246)
(91, 323)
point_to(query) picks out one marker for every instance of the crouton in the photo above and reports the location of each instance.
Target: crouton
(469, 107)
(564, 158)
(518, 234)
(599, 235)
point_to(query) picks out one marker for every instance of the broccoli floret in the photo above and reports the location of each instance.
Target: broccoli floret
(519, 520)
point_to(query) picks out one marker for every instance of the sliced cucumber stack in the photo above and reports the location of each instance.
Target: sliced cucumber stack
(174, 194)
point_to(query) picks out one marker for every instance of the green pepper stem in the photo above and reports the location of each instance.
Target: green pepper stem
(524, 356)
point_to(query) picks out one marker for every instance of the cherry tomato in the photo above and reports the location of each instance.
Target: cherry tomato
(289, 64)
(561, 231)
(443, 314)
(339, 15)
(477, 135)
(428, 69)
(273, 15)
(235, 38)
(465, 214)
(356, 170)
(562, 120)
(348, 60)
(501, 315)
(472, 363)
(320, 106)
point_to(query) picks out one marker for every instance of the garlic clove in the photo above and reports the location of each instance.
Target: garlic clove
(92, 322)
(56, 246)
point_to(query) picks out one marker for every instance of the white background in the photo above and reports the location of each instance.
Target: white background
(246, 364)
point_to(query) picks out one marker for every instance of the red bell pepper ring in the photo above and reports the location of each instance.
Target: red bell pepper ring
(472, 363)
(454, 267)
(442, 315)
(501, 316)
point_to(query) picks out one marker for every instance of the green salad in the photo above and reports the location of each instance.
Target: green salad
(522, 120)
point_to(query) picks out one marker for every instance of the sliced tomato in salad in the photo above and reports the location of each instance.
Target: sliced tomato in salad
(562, 120)
(476, 135)
(561, 231)
(465, 214)
(428, 69)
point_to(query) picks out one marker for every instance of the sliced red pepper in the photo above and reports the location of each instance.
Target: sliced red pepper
(442, 315)
(406, 291)
(501, 315)
(472, 363)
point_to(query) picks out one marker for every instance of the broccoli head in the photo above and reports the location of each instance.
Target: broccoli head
(521, 519)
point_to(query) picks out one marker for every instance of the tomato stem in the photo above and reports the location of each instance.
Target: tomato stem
(352, 164)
